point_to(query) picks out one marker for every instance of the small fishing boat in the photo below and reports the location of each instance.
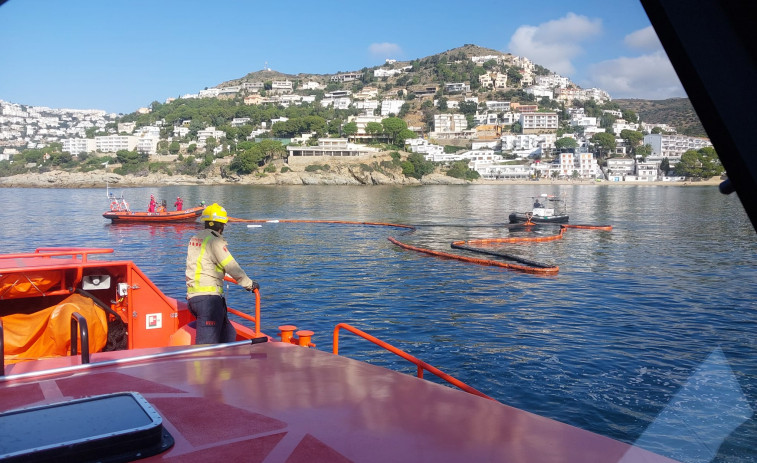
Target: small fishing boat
(546, 209)
(100, 365)
(125, 216)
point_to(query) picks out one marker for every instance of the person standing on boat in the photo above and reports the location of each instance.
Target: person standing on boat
(179, 203)
(153, 203)
(208, 261)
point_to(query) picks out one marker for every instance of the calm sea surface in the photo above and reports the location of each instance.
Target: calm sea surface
(646, 335)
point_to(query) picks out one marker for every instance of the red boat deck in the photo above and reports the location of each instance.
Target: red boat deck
(278, 402)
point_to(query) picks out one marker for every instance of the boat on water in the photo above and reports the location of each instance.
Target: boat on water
(126, 216)
(103, 361)
(546, 209)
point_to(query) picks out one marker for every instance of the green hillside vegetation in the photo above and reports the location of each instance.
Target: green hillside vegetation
(412, 85)
(677, 112)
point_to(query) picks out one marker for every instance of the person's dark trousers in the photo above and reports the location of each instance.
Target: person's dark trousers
(213, 325)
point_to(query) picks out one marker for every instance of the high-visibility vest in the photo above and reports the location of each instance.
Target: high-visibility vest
(208, 261)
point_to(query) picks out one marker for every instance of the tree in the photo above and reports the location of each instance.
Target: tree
(404, 135)
(632, 137)
(566, 142)
(393, 126)
(665, 165)
(349, 129)
(468, 107)
(702, 163)
(174, 147)
(603, 141)
(374, 128)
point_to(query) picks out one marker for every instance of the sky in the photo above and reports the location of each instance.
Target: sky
(119, 55)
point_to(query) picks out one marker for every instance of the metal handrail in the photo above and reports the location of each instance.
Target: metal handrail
(79, 325)
(256, 318)
(419, 363)
(2, 349)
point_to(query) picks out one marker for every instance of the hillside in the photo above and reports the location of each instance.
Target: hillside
(676, 112)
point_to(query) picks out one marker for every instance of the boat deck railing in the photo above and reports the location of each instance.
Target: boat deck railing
(420, 364)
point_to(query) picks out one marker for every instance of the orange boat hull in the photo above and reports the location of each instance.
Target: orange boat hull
(188, 215)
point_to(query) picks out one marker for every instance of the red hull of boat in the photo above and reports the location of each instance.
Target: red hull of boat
(188, 215)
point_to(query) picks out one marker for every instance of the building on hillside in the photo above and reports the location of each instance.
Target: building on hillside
(618, 168)
(391, 107)
(537, 122)
(347, 77)
(539, 92)
(580, 165)
(114, 143)
(334, 147)
(253, 86)
(647, 171)
(673, 146)
(552, 81)
(282, 87)
(450, 123)
(456, 87)
(311, 85)
(496, 80)
(499, 106)
(77, 146)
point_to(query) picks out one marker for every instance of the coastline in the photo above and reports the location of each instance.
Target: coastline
(99, 179)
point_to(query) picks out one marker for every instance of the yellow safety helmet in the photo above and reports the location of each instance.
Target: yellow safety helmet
(214, 213)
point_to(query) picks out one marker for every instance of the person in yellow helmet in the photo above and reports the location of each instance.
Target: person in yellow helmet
(208, 260)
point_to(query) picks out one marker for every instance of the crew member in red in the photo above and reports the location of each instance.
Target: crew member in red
(179, 203)
(153, 203)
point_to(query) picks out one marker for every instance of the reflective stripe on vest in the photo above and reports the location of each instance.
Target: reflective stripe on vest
(196, 288)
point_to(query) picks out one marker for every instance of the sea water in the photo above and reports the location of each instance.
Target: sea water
(645, 335)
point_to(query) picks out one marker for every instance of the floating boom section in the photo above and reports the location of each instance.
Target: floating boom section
(518, 263)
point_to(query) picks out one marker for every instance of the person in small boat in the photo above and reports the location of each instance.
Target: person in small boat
(537, 204)
(153, 203)
(162, 207)
(179, 203)
(208, 261)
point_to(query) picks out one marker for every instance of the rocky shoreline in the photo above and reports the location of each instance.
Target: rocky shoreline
(340, 176)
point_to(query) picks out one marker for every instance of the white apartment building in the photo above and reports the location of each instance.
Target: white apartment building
(495, 80)
(391, 107)
(347, 77)
(583, 121)
(114, 143)
(310, 85)
(79, 145)
(331, 147)
(457, 87)
(540, 91)
(499, 106)
(386, 72)
(209, 93)
(552, 81)
(367, 106)
(582, 163)
(621, 125)
(647, 171)
(568, 95)
(204, 134)
(535, 122)
(618, 168)
(450, 123)
(500, 171)
(421, 145)
(282, 86)
(253, 86)
(673, 146)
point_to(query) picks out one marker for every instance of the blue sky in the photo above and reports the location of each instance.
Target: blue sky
(120, 55)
